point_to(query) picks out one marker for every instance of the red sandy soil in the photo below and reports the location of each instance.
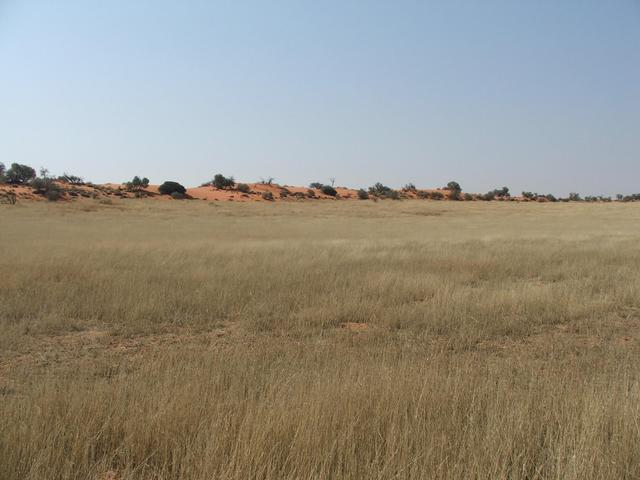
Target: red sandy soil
(208, 193)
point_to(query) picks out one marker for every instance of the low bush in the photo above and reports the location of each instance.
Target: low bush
(72, 179)
(267, 196)
(221, 182)
(363, 194)
(169, 187)
(329, 190)
(316, 185)
(178, 196)
(380, 190)
(243, 187)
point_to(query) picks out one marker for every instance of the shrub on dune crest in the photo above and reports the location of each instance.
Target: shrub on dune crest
(169, 187)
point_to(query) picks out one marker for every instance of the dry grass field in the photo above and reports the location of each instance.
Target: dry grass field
(319, 340)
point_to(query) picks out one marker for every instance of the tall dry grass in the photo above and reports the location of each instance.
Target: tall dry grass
(187, 340)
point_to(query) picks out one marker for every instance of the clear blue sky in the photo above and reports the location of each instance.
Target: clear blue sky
(538, 95)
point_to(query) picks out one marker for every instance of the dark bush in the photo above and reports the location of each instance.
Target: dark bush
(379, 190)
(311, 193)
(267, 195)
(137, 183)
(575, 197)
(167, 188)
(454, 190)
(20, 173)
(243, 187)
(468, 197)
(437, 195)
(221, 182)
(53, 192)
(178, 196)
(329, 190)
(363, 194)
(284, 192)
(316, 185)
(3, 171)
(71, 179)
(409, 187)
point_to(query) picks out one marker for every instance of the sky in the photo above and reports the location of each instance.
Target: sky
(537, 95)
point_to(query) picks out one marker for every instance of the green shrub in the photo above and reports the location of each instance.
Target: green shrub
(363, 194)
(221, 182)
(575, 197)
(53, 192)
(329, 190)
(316, 185)
(178, 196)
(454, 190)
(379, 190)
(169, 187)
(137, 183)
(3, 171)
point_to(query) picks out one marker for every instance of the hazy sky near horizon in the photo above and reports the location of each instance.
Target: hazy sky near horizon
(540, 95)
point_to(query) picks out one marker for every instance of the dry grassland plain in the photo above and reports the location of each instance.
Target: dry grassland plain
(319, 340)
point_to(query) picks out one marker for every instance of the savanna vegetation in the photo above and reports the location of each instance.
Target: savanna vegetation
(395, 340)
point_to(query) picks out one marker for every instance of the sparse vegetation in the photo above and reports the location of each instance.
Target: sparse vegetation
(316, 185)
(243, 188)
(169, 187)
(267, 195)
(73, 179)
(3, 171)
(267, 181)
(363, 194)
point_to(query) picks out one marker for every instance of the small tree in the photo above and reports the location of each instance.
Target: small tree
(221, 182)
(379, 190)
(575, 197)
(317, 185)
(455, 189)
(137, 184)
(169, 187)
(18, 174)
(3, 170)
